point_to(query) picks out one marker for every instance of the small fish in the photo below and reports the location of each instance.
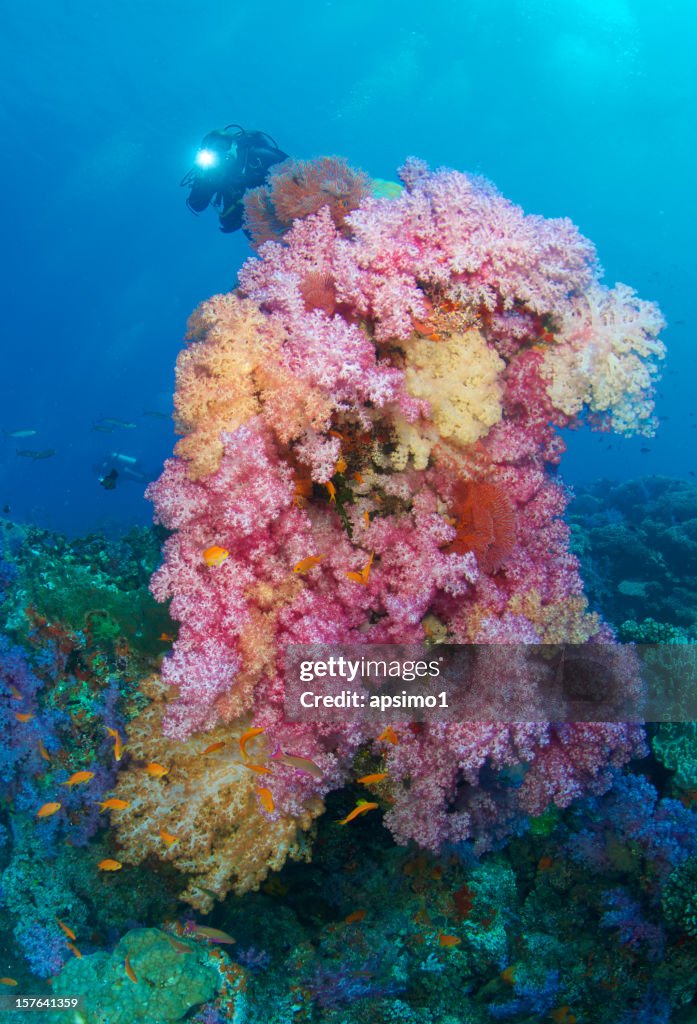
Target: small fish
(114, 804)
(43, 752)
(100, 428)
(645, 451)
(108, 864)
(23, 716)
(355, 917)
(246, 737)
(369, 780)
(8, 981)
(214, 934)
(167, 838)
(155, 414)
(508, 975)
(358, 477)
(389, 736)
(15, 694)
(30, 453)
(335, 433)
(74, 950)
(211, 749)
(260, 769)
(19, 434)
(130, 973)
(46, 810)
(157, 771)
(215, 555)
(118, 745)
(332, 491)
(166, 638)
(177, 946)
(68, 931)
(266, 799)
(77, 778)
(301, 764)
(305, 564)
(362, 807)
(366, 518)
(448, 940)
(118, 423)
(364, 573)
(341, 465)
(545, 863)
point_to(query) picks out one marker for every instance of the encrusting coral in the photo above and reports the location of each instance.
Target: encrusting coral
(369, 423)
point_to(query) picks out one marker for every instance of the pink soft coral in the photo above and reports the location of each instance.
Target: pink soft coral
(347, 454)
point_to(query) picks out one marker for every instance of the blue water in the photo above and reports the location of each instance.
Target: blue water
(583, 108)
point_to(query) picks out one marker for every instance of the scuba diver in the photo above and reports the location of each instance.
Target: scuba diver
(227, 164)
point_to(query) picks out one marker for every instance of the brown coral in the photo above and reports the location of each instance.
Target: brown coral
(298, 188)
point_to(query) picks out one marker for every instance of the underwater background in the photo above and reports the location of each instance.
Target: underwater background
(577, 910)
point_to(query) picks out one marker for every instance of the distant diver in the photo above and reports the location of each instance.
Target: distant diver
(108, 481)
(227, 164)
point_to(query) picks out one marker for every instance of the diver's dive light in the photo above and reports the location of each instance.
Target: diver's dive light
(206, 158)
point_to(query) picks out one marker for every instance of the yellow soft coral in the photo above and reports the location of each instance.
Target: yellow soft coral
(208, 802)
(567, 621)
(228, 374)
(459, 377)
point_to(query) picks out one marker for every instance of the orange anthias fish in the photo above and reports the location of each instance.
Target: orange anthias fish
(16, 695)
(215, 555)
(118, 745)
(213, 747)
(364, 573)
(110, 865)
(47, 810)
(166, 638)
(332, 491)
(177, 946)
(130, 973)
(44, 753)
(77, 778)
(8, 981)
(362, 807)
(265, 799)
(167, 838)
(389, 736)
(113, 804)
(368, 780)
(355, 917)
(23, 716)
(260, 769)
(246, 737)
(157, 771)
(341, 465)
(68, 931)
(74, 950)
(448, 940)
(305, 564)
